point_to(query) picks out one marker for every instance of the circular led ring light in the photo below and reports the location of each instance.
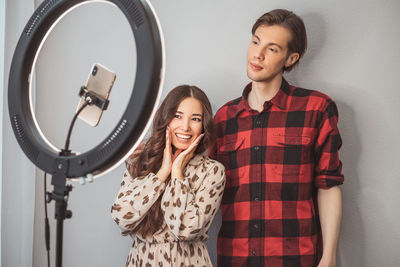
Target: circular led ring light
(138, 114)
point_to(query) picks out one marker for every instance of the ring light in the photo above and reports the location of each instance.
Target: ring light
(130, 128)
(137, 116)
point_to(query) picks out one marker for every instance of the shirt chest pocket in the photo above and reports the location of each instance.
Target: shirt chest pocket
(291, 157)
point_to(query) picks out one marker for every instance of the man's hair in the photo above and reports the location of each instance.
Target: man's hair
(292, 22)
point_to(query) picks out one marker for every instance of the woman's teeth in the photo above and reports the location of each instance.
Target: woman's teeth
(186, 137)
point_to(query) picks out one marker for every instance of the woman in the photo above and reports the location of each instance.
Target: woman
(171, 192)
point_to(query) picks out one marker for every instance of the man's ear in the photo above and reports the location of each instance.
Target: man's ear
(291, 59)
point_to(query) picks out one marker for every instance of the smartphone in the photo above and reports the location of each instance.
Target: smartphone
(100, 82)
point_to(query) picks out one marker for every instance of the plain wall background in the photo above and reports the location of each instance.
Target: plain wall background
(352, 56)
(2, 37)
(18, 183)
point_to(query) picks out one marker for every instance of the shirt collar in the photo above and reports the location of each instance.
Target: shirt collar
(280, 99)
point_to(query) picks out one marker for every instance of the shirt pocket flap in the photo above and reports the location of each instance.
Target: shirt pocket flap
(291, 140)
(231, 144)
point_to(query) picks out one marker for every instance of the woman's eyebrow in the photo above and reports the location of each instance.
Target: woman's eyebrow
(194, 114)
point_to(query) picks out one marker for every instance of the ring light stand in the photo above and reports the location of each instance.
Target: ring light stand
(130, 129)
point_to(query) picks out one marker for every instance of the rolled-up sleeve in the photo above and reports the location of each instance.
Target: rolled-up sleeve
(328, 167)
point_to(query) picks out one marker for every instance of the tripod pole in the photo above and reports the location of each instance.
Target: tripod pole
(59, 240)
(60, 195)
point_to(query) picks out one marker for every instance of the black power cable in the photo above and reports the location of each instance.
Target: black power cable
(46, 222)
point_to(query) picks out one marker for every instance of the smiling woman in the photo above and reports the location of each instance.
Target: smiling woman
(187, 124)
(170, 192)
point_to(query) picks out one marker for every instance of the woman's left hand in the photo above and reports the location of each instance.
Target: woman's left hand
(182, 158)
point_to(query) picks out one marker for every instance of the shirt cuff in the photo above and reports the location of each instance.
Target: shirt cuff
(326, 182)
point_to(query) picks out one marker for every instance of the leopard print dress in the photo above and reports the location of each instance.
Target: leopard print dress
(188, 205)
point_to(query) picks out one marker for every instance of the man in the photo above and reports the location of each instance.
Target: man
(279, 144)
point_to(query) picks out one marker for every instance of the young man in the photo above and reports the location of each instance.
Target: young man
(279, 144)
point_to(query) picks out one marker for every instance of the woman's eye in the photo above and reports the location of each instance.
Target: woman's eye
(177, 116)
(197, 119)
(273, 50)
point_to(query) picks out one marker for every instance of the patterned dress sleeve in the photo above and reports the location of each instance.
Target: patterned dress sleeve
(135, 198)
(189, 214)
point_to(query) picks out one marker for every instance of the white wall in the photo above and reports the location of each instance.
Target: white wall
(18, 179)
(353, 57)
(2, 35)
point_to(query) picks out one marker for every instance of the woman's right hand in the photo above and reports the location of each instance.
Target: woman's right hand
(166, 165)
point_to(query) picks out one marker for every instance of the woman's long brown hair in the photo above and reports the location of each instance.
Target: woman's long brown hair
(149, 158)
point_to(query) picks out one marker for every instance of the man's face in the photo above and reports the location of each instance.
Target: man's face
(267, 53)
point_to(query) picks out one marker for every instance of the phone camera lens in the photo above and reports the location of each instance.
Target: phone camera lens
(94, 71)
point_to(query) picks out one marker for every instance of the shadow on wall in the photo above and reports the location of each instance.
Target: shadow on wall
(316, 38)
(351, 247)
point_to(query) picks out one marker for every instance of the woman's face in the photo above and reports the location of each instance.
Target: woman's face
(187, 123)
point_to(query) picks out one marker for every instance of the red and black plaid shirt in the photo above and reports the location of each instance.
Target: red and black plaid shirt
(275, 162)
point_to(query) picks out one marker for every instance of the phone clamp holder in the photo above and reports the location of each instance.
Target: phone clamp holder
(93, 99)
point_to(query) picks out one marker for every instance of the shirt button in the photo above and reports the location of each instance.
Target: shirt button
(258, 122)
(254, 252)
(256, 199)
(256, 148)
(256, 225)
